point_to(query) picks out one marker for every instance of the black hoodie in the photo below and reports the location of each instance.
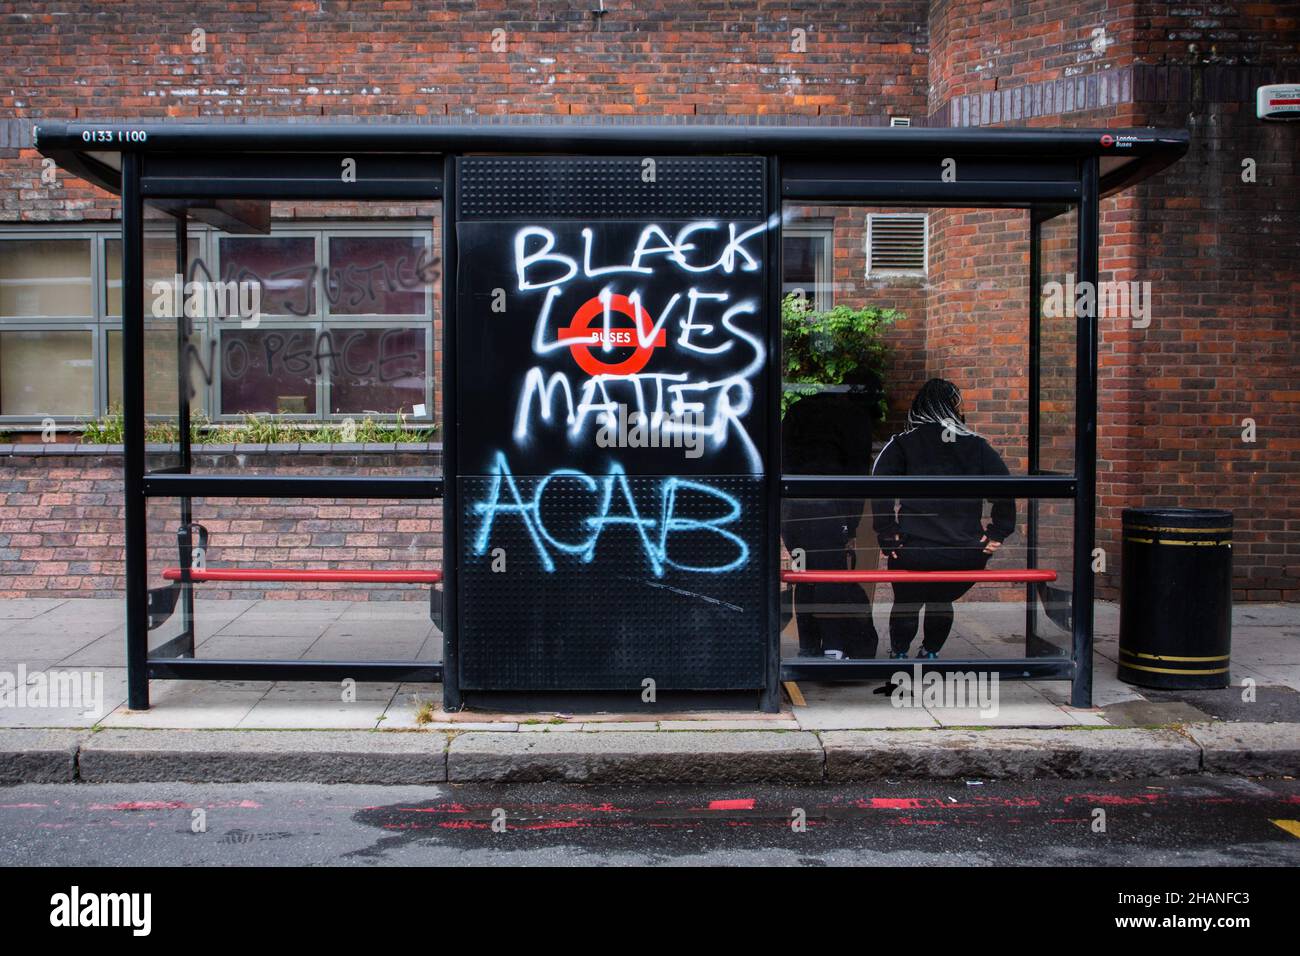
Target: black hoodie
(939, 521)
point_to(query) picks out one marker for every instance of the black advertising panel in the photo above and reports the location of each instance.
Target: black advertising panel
(611, 348)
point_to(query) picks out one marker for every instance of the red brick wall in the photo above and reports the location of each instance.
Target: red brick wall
(61, 531)
(390, 58)
(1223, 256)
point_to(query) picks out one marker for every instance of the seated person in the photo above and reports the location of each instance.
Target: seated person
(936, 534)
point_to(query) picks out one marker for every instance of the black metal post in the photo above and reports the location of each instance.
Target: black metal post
(1085, 443)
(133, 464)
(1035, 385)
(184, 328)
(451, 698)
(770, 699)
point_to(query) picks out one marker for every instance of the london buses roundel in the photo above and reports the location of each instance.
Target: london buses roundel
(587, 353)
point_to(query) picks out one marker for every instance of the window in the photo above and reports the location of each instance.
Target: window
(46, 374)
(897, 244)
(346, 326)
(46, 278)
(806, 269)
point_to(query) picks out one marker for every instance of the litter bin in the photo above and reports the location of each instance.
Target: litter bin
(1175, 622)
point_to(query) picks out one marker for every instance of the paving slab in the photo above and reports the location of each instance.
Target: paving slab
(306, 756)
(636, 757)
(999, 753)
(1253, 749)
(39, 756)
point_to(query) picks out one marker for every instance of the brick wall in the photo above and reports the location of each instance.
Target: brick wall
(1221, 254)
(61, 531)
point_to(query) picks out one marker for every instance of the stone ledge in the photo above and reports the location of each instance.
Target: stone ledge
(33, 449)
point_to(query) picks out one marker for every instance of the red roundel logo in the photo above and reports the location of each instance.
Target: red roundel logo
(1107, 139)
(587, 353)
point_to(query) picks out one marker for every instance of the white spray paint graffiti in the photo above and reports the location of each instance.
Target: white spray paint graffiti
(705, 322)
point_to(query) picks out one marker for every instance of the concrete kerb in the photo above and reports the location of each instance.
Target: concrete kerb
(40, 756)
(233, 756)
(642, 757)
(1007, 754)
(1254, 750)
(638, 757)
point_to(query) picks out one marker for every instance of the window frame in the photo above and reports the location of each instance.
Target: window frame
(824, 279)
(99, 324)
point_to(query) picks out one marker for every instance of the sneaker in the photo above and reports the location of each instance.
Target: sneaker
(833, 655)
(898, 655)
(924, 655)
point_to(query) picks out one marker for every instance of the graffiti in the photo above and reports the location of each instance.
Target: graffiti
(613, 505)
(352, 355)
(304, 353)
(711, 391)
(645, 339)
(349, 285)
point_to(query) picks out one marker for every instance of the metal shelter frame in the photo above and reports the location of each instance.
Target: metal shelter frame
(228, 173)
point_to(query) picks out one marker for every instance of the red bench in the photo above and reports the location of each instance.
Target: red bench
(302, 575)
(1007, 576)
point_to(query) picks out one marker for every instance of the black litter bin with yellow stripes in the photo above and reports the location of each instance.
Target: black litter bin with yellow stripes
(1175, 623)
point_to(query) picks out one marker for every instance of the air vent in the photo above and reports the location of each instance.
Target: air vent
(896, 244)
(900, 121)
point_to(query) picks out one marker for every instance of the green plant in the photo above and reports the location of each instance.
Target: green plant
(839, 346)
(255, 429)
(105, 430)
(425, 711)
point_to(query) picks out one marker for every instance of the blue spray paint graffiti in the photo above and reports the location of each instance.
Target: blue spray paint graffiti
(655, 533)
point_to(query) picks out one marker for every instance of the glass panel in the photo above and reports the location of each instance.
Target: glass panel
(268, 371)
(159, 266)
(301, 620)
(854, 368)
(1058, 338)
(45, 277)
(298, 393)
(955, 619)
(379, 372)
(284, 265)
(160, 384)
(379, 275)
(46, 373)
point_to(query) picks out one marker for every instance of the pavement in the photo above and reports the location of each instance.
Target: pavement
(399, 734)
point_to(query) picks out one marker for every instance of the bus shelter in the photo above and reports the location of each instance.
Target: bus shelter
(616, 509)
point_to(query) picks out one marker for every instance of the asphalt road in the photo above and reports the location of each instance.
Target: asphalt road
(1195, 821)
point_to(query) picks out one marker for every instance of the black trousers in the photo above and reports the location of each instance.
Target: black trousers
(834, 617)
(829, 616)
(935, 599)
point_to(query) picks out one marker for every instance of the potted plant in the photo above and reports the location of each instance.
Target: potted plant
(840, 350)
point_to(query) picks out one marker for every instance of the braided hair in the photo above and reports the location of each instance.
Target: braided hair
(938, 403)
